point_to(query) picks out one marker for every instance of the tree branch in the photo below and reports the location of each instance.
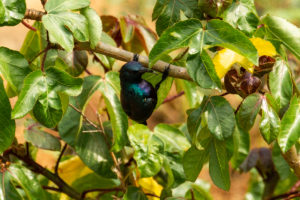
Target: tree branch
(293, 160)
(37, 168)
(119, 54)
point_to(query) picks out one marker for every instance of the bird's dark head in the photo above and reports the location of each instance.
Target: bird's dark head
(133, 71)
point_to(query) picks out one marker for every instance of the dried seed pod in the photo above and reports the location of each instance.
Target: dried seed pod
(249, 83)
(266, 64)
(242, 83)
(231, 81)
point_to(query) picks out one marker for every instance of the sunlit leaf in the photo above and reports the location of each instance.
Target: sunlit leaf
(7, 125)
(148, 149)
(35, 134)
(290, 126)
(64, 5)
(284, 31)
(218, 164)
(248, 111)
(12, 12)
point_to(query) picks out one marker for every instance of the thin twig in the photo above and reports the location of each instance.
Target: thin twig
(83, 194)
(51, 188)
(40, 53)
(118, 169)
(88, 72)
(288, 195)
(152, 195)
(84, 117)
(28, 25)
(59, 158)
(169, 99)
(295, 186)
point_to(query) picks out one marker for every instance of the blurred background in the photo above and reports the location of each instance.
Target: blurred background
(173, 112)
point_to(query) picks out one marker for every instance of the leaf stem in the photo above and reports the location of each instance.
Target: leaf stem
(28, 25)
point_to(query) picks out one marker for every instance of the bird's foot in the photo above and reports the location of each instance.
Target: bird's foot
(166, 72)
(136, 57)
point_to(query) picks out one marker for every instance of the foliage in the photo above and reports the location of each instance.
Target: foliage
(225, 47)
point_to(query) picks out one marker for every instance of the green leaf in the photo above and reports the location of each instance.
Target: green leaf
(12, 12)
(29, 182)
(34, 43)
(134, 193)
(256, 186)
(61, 26)
(93, 151)
(107, 61)
(8, 189)
(200, 189)
(7, 125)
(34, 86)
(195, 117)
(36, 135)
(202, 70)
(218, 164)
(189, 33)
(248, 111)
(290, 126)
(220, 33)
(40, 93)
(193, 162)
(284, 31)
(242, 15)
(221, 120)
(74, 62)
(114, 80)
(282, 167)
(241, 146)
(118, 117)
(168, 12)
(14, 68)
(173, 139)
(269, 123)
(192, 92)
(127, 30)
(280, 84)
(71, 123)
(94, 181)
(148, 149)
(175, 37)
(94, 25)
(65, 5)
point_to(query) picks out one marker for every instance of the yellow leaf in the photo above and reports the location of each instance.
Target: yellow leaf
(72, 169)
(264, 47)
(149, 185)
(226, 58)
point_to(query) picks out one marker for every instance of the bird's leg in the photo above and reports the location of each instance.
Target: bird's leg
(164, 76)
(136, 57)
